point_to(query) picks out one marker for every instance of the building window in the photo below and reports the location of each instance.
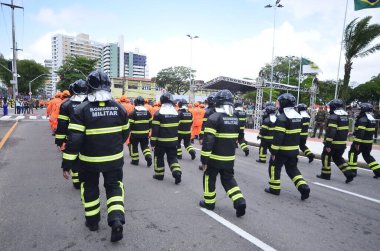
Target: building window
(146, 87)
(120, 86)
(133, 86)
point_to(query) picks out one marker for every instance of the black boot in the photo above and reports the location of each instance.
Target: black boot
(246, 151)
(76, 185)
(240, 207)
(268, 190)
(349, 177)
(260, 161)
(192, 153)
(117, 231)
(322, 176)
(305, 191)
(92, 226)
(148, 161)
(177, 177)
(158, 177)
(354, 173)
(311, 157)
(203, 204)
(134, 162)
(179, 156)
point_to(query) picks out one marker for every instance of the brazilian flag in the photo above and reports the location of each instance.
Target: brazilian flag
(366, 4)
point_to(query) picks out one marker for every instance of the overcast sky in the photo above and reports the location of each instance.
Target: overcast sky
(235, 35)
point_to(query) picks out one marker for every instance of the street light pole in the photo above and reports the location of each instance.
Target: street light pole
(14, 45)
(290, 58)
(275, 6)
(30, 84)
(191, 65)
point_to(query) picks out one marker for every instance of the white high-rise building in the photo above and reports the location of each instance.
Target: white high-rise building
(80, 45)
(49, 87)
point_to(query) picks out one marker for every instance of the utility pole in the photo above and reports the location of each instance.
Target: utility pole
(14, 64)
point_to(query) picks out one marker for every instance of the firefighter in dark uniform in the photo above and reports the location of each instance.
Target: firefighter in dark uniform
(140, 121)
(78, 89)
(242, 115)
(266, 132)
(209, 111)
(184, 129)
(218, 153)
(302, 109)
(335, 142)
(165, 138)
(97, 133)
(285, 147)
(364, 131)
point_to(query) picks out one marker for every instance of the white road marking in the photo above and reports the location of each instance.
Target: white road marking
(364, 169)
(258, 243)
(347, 192)
(43, 117)
(5, 117)
(32, 117)
(20, 117)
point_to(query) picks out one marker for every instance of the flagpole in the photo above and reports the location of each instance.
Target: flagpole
(340, 53)
(299, 81)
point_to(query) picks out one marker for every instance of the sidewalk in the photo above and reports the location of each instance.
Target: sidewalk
(316, 146)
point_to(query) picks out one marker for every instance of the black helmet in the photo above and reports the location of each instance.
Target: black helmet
(71, 86)
(98, 80)
(366, 107)
(301, 107)
(167, 97)
(224, 97)
(182, 102)
(270, 104)
(238, 103)
(335, 104)
(270, 109)
(210, 99)
(79, 87)
(286, 100)
(139, 101)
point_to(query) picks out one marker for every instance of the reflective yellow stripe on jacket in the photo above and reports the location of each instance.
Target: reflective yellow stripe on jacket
(101, 158)
(104, 130)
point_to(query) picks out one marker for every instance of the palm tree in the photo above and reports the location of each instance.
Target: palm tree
(359, 35)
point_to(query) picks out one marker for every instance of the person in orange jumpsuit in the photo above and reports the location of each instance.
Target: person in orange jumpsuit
(198, 114)
(156, 107)
(148, 106)
(53, 111)
(127, 104)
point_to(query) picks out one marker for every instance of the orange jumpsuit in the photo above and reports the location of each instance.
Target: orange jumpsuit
(198, 114)
(54, 112)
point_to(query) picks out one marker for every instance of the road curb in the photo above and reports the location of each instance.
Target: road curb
(9, 132)
(317, 156)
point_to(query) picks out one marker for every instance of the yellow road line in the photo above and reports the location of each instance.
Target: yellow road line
(2, 142)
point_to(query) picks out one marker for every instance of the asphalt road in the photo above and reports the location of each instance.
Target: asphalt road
(39, 210)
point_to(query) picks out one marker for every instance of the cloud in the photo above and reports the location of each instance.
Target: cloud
(71, 16)
(40, 49)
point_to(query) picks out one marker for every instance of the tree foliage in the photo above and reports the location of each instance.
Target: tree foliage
(358, 38)
(369, 91)
(74, 68)
(175, 79)
(28, 70)
(281, 70)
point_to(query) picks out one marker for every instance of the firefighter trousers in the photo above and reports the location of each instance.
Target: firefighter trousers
(186, 142)
(263, 150)
(159, 163)
(304, 148)
(336, 156)
(365, 150)
(113, 183)
(75, 174)
(134, 151)
(291, 169)
(228, 182)
(243, 144)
